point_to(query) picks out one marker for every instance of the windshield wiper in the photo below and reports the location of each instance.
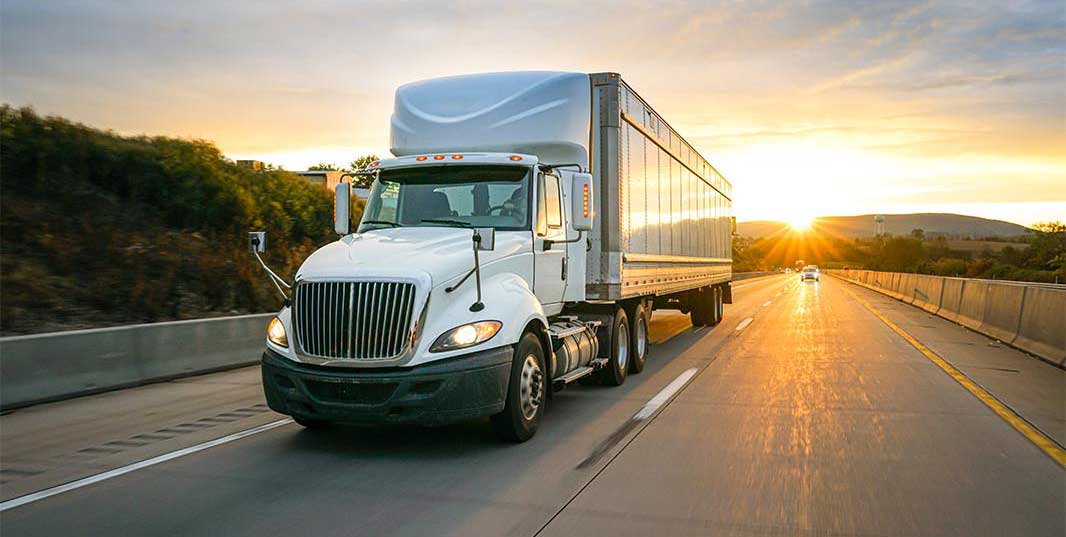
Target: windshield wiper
(382, 222)
(455, 223)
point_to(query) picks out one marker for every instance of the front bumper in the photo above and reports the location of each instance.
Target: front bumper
(456, 389)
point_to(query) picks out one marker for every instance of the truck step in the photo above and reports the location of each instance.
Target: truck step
(572, 376)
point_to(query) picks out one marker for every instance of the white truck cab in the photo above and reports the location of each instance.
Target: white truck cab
(480, 276)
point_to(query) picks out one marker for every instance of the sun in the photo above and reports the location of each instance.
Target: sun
(800, 222)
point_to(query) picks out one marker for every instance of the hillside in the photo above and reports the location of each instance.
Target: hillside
(951, 225)
(98, 229)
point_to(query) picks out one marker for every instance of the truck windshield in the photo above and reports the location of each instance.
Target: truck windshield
(478, 196)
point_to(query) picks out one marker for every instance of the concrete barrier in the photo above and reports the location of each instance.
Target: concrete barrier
(47, 367)
(1042, 327)
(929, 290)
(972, 306)
(908, 284)
(951, 298)
(895, 287)
(1030, 317)
(1003, 311)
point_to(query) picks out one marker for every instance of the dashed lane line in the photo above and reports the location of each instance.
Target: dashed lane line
(86, 481)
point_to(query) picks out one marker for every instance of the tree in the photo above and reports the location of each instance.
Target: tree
(918, 233)
(323, 167)
(360, 164)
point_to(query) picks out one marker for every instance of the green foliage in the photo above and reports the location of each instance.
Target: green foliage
(323, 167)
(359, 164)
(100, 229)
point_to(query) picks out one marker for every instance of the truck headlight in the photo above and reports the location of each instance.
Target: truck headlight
(276, 333)
(466, 335)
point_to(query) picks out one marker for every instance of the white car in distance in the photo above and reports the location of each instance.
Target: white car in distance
(810, 272)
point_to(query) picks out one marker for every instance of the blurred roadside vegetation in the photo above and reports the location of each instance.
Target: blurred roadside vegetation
(98, 229)
(1039, 256)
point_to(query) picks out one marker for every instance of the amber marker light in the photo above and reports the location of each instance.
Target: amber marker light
(438, 157)
(585, 201)
(516, 158)
(420, 159)
(457, 157)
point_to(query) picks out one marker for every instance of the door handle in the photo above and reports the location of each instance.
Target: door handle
(564, 269)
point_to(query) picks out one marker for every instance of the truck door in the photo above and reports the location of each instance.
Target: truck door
(549, 270)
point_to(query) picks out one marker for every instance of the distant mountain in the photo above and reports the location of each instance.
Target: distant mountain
(952, 225)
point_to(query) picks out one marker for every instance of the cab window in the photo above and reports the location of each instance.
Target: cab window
(553, 199)
(549, 211)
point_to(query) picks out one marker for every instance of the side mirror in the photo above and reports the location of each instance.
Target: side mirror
(583, 211)
(342, 205)
(488, 238)
(258, 241)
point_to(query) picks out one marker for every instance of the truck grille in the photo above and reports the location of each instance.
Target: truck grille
(354, 320)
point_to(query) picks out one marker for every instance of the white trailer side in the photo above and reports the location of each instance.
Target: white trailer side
(664, 221)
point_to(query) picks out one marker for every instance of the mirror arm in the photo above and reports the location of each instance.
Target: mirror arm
(548, 242)
(274, 278)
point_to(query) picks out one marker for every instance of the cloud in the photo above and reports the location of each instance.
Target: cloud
(879, 84)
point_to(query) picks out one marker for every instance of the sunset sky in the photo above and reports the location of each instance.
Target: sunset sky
(809, 108)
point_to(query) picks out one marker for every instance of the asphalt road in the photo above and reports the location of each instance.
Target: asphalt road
(801, 414)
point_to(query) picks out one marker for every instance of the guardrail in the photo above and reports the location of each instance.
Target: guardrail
(48, 367)
(1030, 317)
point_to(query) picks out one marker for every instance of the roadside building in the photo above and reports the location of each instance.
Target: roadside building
(327, 179)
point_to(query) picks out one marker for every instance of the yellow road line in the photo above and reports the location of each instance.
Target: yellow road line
(1034, 435)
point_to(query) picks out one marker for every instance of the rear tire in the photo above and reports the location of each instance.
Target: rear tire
(639, 329)
(700, 312)
(618, 357)
(526, 393)
(720, 304)
(715, 305)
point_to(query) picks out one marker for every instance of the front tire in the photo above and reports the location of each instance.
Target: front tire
(618, 361)
(526, 393)
(639, 329)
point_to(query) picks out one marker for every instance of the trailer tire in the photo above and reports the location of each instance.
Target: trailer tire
(714, 298)
(719, 304)
(614, 374)
(638, 335)
(526, 392)
(701, 311)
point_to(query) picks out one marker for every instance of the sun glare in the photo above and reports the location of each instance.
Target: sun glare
(800, 222)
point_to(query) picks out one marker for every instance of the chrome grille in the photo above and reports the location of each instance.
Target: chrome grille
(354, 320)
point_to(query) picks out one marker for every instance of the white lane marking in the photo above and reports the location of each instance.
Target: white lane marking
(664, 395)
(767, 303)
(86, 481)
(744, 324)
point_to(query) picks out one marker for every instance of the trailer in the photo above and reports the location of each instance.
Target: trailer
(518, 242)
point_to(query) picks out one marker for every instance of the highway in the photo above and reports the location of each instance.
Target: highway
(803, 413)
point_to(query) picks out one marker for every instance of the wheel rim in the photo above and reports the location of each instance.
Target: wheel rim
(531, 387)
(642, 337)
(622, 346)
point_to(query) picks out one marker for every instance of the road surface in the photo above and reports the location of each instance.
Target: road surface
(803, 413)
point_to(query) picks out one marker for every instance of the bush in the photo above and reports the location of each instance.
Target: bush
(99, 229)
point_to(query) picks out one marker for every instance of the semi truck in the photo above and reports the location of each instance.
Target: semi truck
(518, 242)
